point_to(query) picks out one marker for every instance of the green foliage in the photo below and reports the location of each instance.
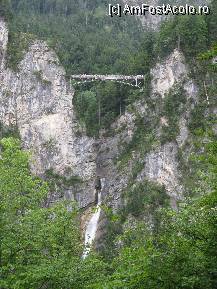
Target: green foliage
(84, 39)
(183, 252)
(8, 131)
(87, 108)
(98, 106)
(18, 44)
(212, 23)
(137, 168)
(86, 42)
(39, 76)
(38, 245)
(173, 106)
(166, 39)
(144, 198)
(197, 118)
(5, 9)
(114, 229)
(142, 141)
(209, 54)
(182, 256)
(189, 33)
(60, 182)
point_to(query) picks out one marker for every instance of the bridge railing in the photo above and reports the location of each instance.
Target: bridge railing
(109, 77)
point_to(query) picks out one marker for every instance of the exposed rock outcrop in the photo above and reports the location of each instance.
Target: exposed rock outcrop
(167, 73)
(3, 42)
(39, 101)
(160, 164)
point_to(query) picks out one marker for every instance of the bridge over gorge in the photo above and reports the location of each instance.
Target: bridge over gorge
(132, 80)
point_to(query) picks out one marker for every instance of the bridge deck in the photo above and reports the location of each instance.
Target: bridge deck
(107, 77)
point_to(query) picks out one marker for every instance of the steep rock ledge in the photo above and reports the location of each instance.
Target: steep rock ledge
(37, 99)
(3, 42)
(160, 163)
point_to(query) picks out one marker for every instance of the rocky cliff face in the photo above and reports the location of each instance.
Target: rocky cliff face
(159, 163)
(39, 101)
(3, 43)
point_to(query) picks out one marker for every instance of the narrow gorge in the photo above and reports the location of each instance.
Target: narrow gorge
(125, 162)
(50, 130)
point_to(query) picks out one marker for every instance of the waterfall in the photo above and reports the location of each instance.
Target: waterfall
(91, 229)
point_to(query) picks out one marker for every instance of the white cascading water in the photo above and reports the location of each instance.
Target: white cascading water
(91, 229)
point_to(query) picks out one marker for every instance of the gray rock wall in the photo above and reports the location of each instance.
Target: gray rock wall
(39, 101)
(160, 164)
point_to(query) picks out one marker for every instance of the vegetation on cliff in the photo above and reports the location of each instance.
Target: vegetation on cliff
(88, 41)
(40, 243)
(40, 246)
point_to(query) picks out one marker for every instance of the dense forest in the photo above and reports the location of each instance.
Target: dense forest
(41, 246)
(39, 250)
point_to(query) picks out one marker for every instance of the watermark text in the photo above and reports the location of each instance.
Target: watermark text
(165, 9)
